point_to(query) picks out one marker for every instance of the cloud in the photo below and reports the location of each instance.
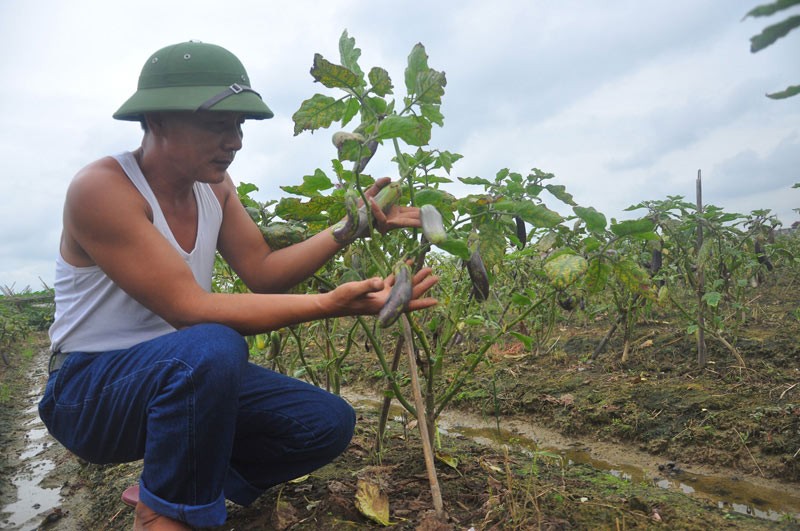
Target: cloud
(622, 101)
(749, 172)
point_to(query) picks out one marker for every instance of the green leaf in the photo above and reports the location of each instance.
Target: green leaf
(790, 91)
(443, 201)
(547, 242)
(446, 159)
(334, 76)
(351, 109)
(430, 86)
(492, 245)
(376, 106)
(565, 269)
(243, 191)
(770, 34)
(712, 298)
(770, 9)
(412, 130)
(520, 300)
(312, 185)
(597, 274)
(381, 82)
(455, 247)
(317, 112)
(349, 55)
(632, 227)
(417, 63)
(595, 221)
(479, 181)
(526, 340)
(705, 253)
(559, 191)
(591, 244)
(632, 276)
(515, 189)
(433, 179)
(246, 188)
(352, 149)
(279, 235)
(291, 208)
(433, 114)
(449, 460)
(536, 215)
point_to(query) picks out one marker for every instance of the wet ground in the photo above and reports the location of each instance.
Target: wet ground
(28, 456)
(519, 475)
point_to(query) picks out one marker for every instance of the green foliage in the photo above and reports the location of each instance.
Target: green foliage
(22, 314)
(582, 266)
(772, 33)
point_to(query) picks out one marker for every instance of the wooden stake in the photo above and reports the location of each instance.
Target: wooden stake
(701, 340)
(422, 423)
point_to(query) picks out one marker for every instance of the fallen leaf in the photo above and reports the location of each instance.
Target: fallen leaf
(448, 459)
(284, 516)
(372, 502)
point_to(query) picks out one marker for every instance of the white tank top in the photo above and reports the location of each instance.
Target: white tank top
(94, 315)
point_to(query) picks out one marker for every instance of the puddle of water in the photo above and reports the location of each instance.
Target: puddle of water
(737, 495)
(33, 501)
(741, 496)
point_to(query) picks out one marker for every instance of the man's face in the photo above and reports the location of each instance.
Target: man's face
(202, 144)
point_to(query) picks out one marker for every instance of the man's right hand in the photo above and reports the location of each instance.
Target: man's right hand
(367, 297)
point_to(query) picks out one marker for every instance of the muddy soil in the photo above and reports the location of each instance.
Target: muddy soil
(536, 441)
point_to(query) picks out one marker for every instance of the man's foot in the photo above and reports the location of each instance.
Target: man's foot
(146, 519)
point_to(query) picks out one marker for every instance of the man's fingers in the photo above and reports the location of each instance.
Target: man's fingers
(423, 281)
(370, 285)
(421, 304)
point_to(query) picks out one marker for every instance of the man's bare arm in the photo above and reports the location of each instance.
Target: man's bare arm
(107, 217)
(266, 271)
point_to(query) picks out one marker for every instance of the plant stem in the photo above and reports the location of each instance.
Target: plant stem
(387, 399)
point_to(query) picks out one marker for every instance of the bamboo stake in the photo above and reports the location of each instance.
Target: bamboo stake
(701, 340)
(422, 423)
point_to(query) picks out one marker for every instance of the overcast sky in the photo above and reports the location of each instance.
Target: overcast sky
(623, 100)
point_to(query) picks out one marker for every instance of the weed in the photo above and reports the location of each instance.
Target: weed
(5, 393)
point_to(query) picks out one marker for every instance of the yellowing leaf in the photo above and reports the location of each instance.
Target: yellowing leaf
(565, 269)
(449, 460)
(372, 502)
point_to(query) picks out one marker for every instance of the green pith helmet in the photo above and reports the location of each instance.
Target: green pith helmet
(193, 76)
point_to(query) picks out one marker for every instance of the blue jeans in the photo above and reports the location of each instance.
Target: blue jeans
(208, 424)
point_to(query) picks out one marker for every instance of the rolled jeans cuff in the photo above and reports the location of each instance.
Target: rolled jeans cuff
(210, 515)
(239, 490)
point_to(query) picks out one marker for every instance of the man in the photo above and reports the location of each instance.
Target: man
(149, 364)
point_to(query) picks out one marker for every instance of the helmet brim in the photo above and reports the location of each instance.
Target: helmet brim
(190, 99)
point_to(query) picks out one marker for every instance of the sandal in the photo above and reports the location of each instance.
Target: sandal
(130, 496)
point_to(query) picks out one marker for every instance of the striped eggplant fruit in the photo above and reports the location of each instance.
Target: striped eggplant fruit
(399, 296)
(478, 276)
(356, 224)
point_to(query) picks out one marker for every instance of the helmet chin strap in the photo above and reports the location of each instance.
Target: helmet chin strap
(230, 91)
